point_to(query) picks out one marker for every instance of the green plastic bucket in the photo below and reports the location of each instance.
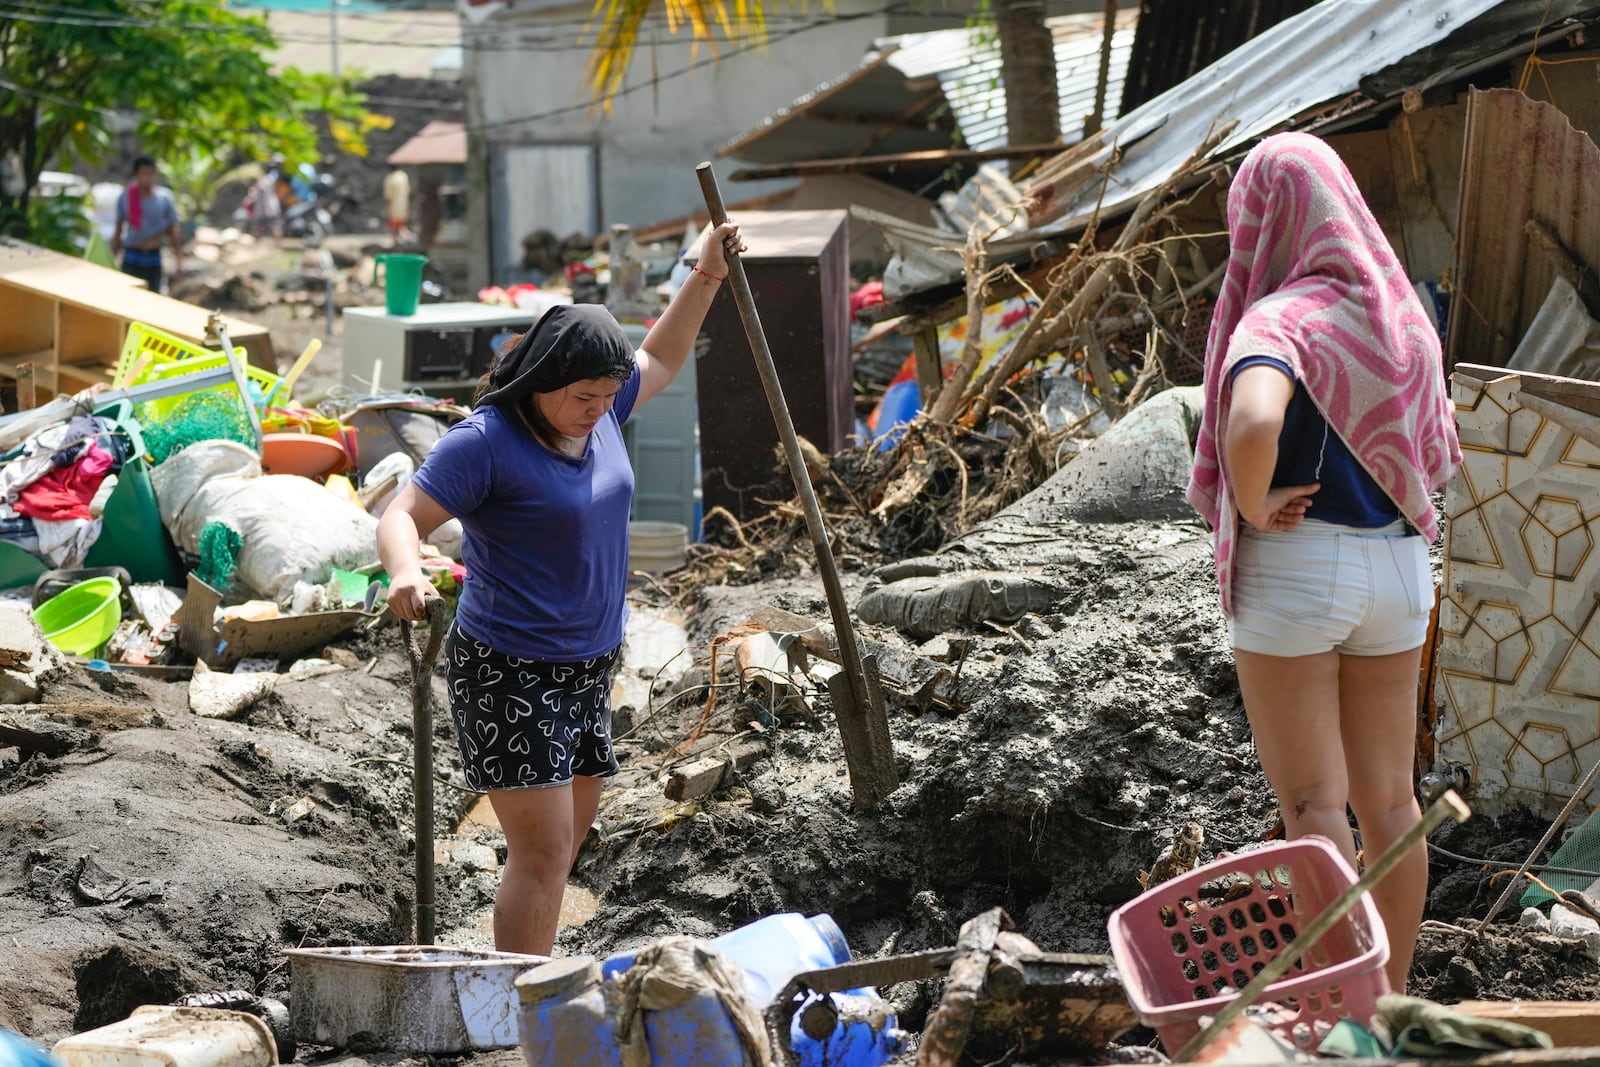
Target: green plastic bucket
(402, 284)
(83, 617)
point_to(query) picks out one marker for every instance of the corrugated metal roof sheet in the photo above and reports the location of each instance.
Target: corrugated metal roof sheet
(967, 63)
(868, 109)
(1523, 163)
(1315, 57)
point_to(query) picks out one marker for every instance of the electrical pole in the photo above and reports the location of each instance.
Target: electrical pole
(333, 20)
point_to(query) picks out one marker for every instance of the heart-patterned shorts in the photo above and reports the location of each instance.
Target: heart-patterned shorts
(528, 724)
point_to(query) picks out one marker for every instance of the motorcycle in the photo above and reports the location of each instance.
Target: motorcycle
(302, 195)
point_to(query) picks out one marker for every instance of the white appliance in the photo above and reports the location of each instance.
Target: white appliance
(443, 348)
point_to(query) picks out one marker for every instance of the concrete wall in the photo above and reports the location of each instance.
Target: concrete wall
(649, 142)
(653, 136)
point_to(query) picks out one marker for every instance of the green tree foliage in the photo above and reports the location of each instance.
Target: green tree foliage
(190, 75)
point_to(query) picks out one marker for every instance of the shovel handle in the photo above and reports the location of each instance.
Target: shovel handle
(872, 772)
(422, 661)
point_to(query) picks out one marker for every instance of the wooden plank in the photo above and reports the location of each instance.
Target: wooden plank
(9, 365)
(90, 373)
(27, 398)
(918, 680)
(1570, 1023)
(708, 774)
(930, 370)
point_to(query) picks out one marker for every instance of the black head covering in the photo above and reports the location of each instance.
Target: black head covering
(571, 343)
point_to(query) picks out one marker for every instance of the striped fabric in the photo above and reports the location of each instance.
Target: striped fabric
(1311, 280)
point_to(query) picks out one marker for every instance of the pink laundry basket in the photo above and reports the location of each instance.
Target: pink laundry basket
(1184, 953)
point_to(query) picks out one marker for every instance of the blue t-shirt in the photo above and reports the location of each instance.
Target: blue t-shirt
(1349, 495)
(546, 535)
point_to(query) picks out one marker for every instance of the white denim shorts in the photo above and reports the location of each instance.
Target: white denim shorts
(1322, 587)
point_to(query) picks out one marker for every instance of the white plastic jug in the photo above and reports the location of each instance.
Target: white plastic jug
(164, 1036)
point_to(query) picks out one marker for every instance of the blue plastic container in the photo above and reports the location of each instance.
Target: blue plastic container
(18, 1051)
(900, 405)
(563, 1018)
(772, 951)
(565, 1021)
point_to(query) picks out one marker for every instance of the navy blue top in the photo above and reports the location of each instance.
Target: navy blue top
(546, 535)
(1349, 495)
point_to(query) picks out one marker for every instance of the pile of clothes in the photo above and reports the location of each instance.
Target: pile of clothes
(54, 487)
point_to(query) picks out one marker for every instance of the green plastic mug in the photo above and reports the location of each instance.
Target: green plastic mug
(402, 286)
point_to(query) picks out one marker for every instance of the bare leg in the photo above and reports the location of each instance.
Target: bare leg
(585, 802)
(1378, 717)
(538, 824)
(1293, 706)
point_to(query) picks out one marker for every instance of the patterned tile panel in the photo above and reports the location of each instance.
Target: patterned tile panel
(1519, 651)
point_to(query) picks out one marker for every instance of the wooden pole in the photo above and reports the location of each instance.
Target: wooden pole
(863, 725)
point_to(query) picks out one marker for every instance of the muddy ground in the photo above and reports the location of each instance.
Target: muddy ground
(156, 861)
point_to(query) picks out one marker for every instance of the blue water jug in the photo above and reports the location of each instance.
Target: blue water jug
(772, 951)
(569, 1017)
(18, 1051)
(563, 1018)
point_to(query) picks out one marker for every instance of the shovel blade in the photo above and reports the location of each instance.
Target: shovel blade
(869, 756)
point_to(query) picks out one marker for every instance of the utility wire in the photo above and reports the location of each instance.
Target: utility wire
(479, 38)
(509, 123)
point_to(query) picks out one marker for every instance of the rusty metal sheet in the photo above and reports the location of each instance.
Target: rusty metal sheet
(1519, 650)
(1524, 163)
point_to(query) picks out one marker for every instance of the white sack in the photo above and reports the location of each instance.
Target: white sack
(292, 529)
(215, 695)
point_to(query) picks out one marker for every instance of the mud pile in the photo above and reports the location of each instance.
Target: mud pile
(161, 860)
(1092, 730)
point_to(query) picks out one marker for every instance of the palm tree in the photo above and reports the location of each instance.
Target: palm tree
(1027, 51)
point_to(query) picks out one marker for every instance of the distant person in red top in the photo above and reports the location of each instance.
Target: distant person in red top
(146, 215)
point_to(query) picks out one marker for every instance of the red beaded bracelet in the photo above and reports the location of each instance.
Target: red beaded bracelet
(708, 274)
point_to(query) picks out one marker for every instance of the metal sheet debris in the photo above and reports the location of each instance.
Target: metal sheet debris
(1530, 203)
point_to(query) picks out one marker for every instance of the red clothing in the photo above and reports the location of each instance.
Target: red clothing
(65, 492)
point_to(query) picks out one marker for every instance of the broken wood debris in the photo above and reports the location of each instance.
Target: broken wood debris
(946, 1035)
(919, 682)
(709, 773)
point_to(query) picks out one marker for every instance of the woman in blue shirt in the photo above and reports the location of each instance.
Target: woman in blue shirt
(540, 479)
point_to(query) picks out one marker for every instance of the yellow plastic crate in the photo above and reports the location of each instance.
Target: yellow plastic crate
(170, 357)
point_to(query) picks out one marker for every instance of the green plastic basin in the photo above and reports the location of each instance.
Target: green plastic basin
(82, 617)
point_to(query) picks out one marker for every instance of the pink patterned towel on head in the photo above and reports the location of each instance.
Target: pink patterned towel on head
(1311, 280)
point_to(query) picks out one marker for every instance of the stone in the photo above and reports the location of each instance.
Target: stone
(19, 633)
(1534, 919)
(467, 855)
(1570, 925)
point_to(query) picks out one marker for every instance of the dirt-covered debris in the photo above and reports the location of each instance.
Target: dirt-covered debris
(175, 856)
(1091, 730)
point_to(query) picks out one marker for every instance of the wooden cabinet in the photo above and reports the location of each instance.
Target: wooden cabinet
(798, 266)
(68, 318)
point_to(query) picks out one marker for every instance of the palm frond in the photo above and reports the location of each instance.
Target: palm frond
(618, 23)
